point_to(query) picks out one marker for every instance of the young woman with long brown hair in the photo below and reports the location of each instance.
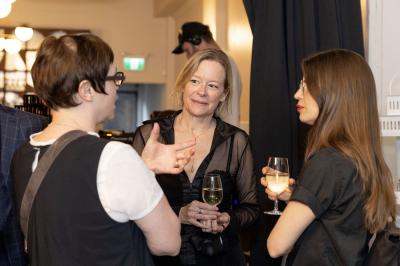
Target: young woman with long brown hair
(345, 191)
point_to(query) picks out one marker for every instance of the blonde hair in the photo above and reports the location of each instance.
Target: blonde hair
(193, 64)
(343, 85)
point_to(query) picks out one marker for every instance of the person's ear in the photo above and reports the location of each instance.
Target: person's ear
(223, 98)
(85, 91)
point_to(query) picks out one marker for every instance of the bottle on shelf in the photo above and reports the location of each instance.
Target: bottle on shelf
(32, 104)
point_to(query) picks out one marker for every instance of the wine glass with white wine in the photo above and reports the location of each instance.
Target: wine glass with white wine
(277, 178)
(212, 189)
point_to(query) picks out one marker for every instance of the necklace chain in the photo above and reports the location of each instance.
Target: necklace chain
(64, 125)
(202, 132)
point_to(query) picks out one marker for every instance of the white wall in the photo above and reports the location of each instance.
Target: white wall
(384, 59)
(127, 25)
(130, 27)
(228, 22)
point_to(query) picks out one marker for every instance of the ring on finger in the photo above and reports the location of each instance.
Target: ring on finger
(176, 164)
(200, 210)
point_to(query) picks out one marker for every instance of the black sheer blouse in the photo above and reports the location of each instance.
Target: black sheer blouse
(230, 155)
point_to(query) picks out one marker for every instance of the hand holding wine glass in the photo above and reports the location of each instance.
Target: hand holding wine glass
(277, 179)
(285, 195)
(212, 189)
(212, 194)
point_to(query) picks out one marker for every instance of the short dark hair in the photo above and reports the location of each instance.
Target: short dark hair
(62, 63)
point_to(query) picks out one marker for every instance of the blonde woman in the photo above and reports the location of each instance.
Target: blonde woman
(344, 192)
(203, 87)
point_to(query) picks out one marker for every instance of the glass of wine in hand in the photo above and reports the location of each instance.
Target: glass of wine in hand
(277, 178)
(212, 189)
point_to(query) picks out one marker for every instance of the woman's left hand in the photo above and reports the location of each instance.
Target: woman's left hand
(220, 224)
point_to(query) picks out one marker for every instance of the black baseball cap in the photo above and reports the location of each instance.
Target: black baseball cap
(191, 32)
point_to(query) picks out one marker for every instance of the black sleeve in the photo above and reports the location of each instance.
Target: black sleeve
(248, 209)
(323, 180)
(141, 136)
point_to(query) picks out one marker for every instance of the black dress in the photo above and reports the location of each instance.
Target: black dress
(230, 156)
(330, 185)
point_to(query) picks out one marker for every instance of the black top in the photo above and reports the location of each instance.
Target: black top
(330, 186)
(68, 224)
(230, 155)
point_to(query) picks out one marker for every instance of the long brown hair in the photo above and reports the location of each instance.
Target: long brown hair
(343, 85)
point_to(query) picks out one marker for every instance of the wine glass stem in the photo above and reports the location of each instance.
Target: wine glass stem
(276, 205)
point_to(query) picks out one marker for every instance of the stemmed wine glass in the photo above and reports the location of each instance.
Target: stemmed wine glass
(212, 189)
(277, 178)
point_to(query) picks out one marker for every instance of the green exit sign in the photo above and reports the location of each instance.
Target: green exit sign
(134, 63)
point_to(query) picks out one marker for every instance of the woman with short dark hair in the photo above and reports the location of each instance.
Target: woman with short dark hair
(98, 197)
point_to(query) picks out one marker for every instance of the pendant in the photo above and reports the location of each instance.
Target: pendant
(192, 168)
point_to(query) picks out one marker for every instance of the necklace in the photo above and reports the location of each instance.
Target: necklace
(191, 169)
(73, 125)
(196, 136)
(63, 125)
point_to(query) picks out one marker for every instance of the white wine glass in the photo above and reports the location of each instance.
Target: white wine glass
(277, 178)
(212, 189)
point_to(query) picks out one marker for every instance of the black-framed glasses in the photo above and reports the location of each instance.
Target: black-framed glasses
(118, 78)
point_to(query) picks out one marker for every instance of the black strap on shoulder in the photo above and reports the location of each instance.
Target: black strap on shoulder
(40, 172)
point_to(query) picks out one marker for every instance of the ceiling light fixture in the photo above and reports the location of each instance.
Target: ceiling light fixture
(5, 8)
(12, 43)
(23, 33)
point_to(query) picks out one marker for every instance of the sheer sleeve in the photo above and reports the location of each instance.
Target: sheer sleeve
(248, 209)
(141, 136)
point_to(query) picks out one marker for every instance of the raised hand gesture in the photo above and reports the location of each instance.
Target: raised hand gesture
(162, 158)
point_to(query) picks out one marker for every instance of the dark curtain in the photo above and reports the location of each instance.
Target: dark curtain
(284, 32)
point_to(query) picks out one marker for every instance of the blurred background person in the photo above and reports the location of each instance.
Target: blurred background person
(98, 197)
(15, 126)
(203, 87)
(345, 191)
(194, 37)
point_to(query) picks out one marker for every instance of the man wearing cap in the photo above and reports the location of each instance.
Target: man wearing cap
(195, 36)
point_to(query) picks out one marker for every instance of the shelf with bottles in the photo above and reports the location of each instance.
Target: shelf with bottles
(32, 103)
